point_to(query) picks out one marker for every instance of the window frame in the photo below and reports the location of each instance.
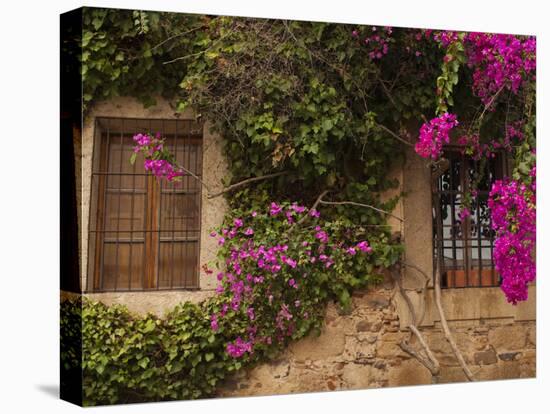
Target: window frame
(466, 275)
(191, 135)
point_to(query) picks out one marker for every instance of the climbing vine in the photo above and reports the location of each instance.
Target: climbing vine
(323, 112)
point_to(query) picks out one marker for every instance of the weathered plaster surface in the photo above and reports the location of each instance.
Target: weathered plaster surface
(359, 350)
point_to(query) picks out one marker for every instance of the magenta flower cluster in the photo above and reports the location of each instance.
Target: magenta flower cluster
(376, 41)
(434, 134)
(499, 61)
(513, 215)
(446, 37)
(156, 160)
(238, 348)
(266, 282)
(473, 147)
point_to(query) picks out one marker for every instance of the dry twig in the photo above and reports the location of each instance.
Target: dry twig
(313, 207)
(247, 181)
(393, 134)
(353, 203)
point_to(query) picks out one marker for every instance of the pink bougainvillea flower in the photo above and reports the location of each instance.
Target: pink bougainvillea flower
(314, 213)
(364, 246)
(275, 209)
(464, 214)
(434, 134)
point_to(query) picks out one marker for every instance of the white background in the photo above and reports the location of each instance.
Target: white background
(29, 206)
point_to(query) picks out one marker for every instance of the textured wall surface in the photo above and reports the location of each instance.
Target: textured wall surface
(361, 349)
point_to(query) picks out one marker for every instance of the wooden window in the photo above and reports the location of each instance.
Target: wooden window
(144, 232)
(466, 246)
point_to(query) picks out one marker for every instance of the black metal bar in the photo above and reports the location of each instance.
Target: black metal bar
(186, 206)
(98, 140)
(453, 221)
(478, 224)
(145, 231)
(172, 211)
(117, 266)
(465, 227)
(201, 154)
(162, 239)
(196, 222)
(167, 289)
(105, 186)
(130, 263)
(124, 190)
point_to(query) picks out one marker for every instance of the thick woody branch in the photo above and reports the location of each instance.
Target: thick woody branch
(445, 325)
(353, 203)
(313, 207)
(424, 286)
(246, 182)
(428, 360)
(437, 295)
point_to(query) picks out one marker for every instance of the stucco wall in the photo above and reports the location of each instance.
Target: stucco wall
(213, 210)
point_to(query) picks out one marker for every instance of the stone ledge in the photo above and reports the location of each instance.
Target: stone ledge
(468, 304)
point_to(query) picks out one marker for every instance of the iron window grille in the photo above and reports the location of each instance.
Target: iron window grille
(466, 246)
(144, 233)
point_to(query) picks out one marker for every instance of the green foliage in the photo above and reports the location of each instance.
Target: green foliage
(299, 97)
(453, 61)
(129, 358)
(122, 53)
(303, 97)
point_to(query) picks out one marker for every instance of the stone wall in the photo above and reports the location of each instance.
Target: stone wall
(361, 350)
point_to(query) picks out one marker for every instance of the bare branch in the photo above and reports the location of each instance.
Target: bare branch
(247, 181)
(424, 287)
(353, 203)
(194, 176)
(313, 207)
(429, 361)
(393, 134)
(202, 51)
(387, 92)
(437, 293)
(445, 325)
(490, 103)
(174, 36)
